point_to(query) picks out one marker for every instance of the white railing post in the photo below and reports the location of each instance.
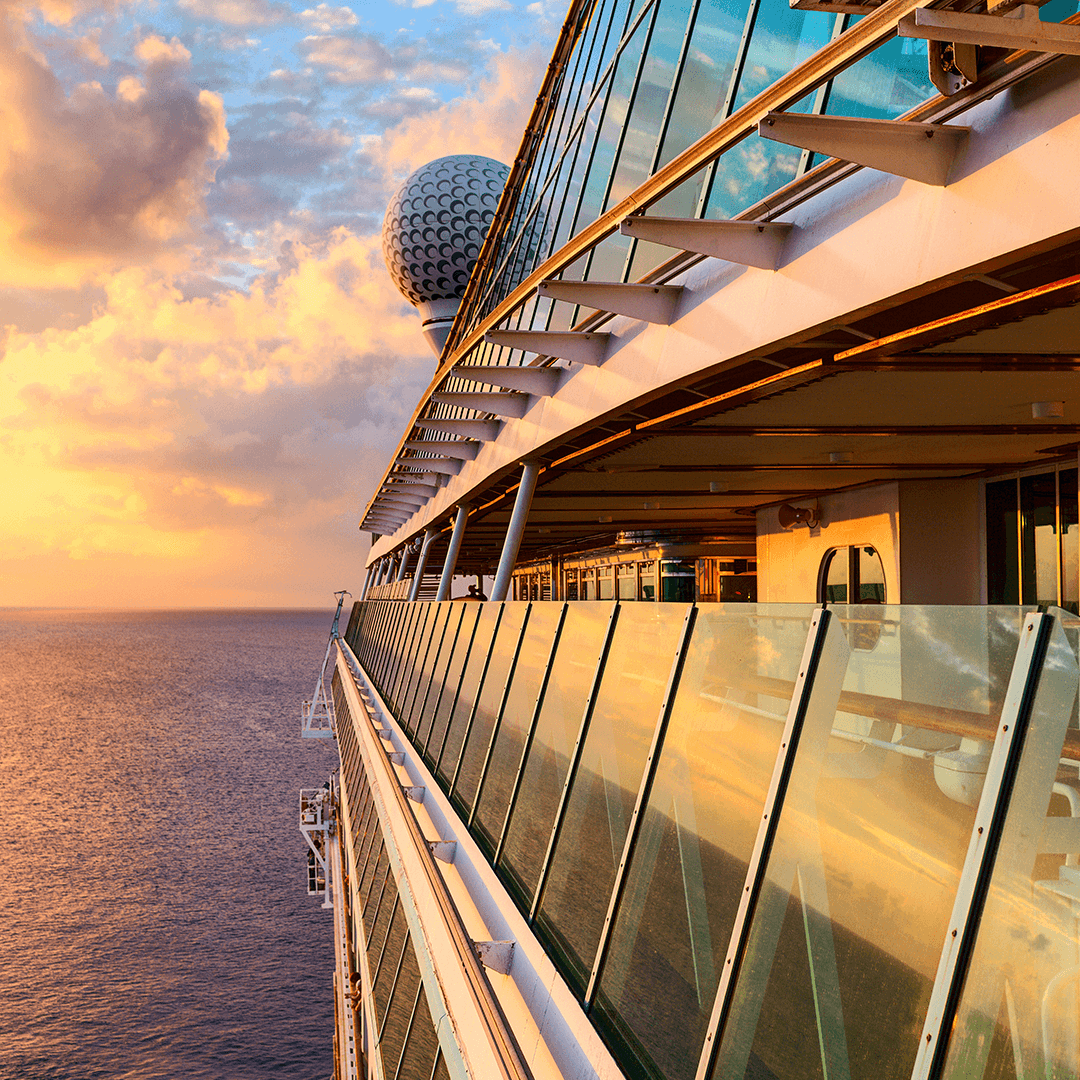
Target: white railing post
(452, 552)
(516, 529)
(421, 563)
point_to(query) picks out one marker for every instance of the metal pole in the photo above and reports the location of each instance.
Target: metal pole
(367, 583)
(421, 562)
(515, 530)
(381, 576)
(406, 554)
(452, 552)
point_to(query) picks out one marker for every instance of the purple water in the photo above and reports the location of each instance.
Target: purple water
(153, 914)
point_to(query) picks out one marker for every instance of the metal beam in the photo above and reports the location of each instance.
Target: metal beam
(456, 537)
(1030, 34)
(406, 555)
(922, 152)
(399, 482)
(749, 243)
(399, 498)
(481, 430)
(463, 451)
(580, 348)
(436, 464)
(649, 303)
(871, 431)
(512, 405)
(515, 530)
(538, 381)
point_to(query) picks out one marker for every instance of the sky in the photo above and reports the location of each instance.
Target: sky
(203, 363)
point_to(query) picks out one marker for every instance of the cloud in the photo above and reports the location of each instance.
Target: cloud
(238, 12)
(166, 430)
(155, 50)
(90, 179)
(481, 7)
(324, 18)
(360, 59)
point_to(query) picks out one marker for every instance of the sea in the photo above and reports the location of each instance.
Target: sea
(154, 916)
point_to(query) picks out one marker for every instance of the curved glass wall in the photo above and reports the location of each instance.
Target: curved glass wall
(644, 80)
(618, 765)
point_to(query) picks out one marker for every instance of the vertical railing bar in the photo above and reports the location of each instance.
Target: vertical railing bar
(644, 790)
(575, 757)
(533, 720)
(511, 671)
(759, 859)
(986, 835)
(457, 692)
(476, 700)
(398, 657)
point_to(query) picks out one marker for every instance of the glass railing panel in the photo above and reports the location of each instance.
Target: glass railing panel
(888, 83)
(557, 726)
(706, 75)
(410, 624)
(697, 833)
(418, 651)
(641, 133)
(470, 688)
(444, 671)
(870, 843)
(399, 1012)
(383, 964)
(1019, 1013)
(421, 1046)
(413, 706)
(455, 669)
(604, 787)
(500, 664)
(410, 657)
(750, 171)
(494, 798)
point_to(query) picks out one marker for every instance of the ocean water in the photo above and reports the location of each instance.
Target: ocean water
(154, 920)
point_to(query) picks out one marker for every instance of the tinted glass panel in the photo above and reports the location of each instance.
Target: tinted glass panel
(605, 785)
(449, 693)
(553, 740)
(419, 694)
(1021, 999)
(390, 962)
(697, 833)
(1038, 502)
(470, 687)
(418, 1058)
(517, 717)
(448, 664)
(400, 1011)
(491, 693)
(871, 838)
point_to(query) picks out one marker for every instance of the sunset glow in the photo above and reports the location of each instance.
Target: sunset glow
(204, 361)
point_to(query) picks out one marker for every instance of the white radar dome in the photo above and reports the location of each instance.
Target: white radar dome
(433, 231)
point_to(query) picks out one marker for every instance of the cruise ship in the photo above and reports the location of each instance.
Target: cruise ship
(708, 710)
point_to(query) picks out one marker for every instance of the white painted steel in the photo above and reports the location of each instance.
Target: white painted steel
(481, 430)
(750, 243)
(648, 303)
(556, 1037)
(450, 561)
(421, 563)
(515, 530)
(451, 448)
(921, 152)
(513, 406)
(994, 30)
(538, 381)
(578, 347)
(830, 271)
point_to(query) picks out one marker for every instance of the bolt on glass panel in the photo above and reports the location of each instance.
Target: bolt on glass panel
(590, 843)
(698, 830)
(870, 844)
(474, 753)
(470, 687)
(545, 765)
(1019, 1014)
(494, 798)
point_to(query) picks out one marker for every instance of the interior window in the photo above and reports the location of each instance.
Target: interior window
(851, 575)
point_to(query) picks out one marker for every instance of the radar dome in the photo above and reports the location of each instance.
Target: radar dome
(433, 231)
